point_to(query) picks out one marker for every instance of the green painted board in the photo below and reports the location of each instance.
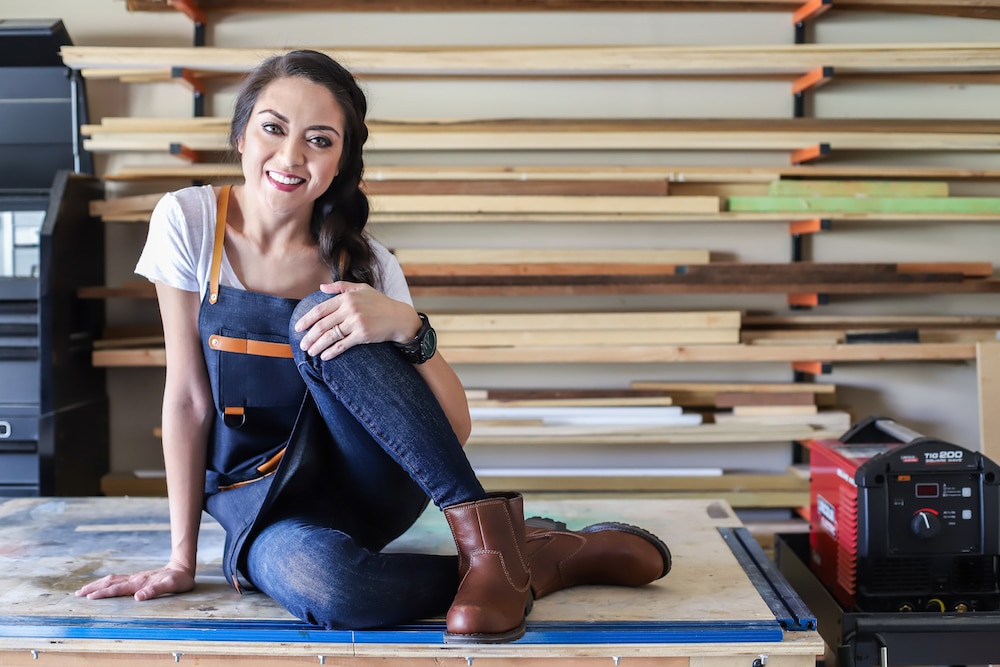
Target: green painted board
(810, 188)
(864, 204)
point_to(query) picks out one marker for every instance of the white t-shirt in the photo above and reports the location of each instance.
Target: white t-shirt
(178, 250)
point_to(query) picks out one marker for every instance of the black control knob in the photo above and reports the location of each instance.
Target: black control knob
(925, 524)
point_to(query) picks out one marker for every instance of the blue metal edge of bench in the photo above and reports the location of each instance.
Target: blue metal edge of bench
(788, 608)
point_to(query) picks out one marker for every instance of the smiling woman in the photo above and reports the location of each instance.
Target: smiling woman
(307, 409)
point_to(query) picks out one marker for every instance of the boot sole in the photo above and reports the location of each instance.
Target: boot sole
(546, 523)
(501, 638)
(498, 638)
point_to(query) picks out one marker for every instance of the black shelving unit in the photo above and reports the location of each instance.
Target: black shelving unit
(54, 426)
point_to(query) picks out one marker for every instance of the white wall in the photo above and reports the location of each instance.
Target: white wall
(935, 398)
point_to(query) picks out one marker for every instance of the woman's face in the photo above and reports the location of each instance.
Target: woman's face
(291, 146)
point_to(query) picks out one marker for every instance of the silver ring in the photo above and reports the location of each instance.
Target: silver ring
(336, 330)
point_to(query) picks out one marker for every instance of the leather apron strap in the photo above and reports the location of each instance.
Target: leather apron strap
(222, 208)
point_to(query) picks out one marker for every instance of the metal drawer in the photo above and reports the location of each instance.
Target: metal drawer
(19, 469)
(20, 380)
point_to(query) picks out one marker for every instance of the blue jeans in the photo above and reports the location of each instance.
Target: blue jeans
(320, 554)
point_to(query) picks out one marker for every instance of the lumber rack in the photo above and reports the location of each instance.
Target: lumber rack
(801, 13)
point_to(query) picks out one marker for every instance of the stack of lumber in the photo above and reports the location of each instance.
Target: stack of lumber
(613, 201)
(576, 179)
(590, 440)
(657, 413)
(537, 331)
(499, 279)
(856, 330)
(211, 135)
(653, 337)
(861, 197)
(966, 8)
(759, 405)
(567, 61)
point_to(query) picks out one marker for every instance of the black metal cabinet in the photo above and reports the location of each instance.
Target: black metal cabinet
(54, 431)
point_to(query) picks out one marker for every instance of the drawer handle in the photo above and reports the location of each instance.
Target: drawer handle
(4, 429)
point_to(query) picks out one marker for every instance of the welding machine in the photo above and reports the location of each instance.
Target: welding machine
(904, 522)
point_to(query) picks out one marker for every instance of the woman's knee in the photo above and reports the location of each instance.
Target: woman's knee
(304, 306)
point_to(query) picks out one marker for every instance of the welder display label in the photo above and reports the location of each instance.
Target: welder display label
(827, 515)
(945, 456)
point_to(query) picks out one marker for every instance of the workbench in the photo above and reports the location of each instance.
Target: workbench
(723, 603)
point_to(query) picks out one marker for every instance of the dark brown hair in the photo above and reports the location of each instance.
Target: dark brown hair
(341, 213)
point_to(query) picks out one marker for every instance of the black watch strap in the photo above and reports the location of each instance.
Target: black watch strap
(424, 344)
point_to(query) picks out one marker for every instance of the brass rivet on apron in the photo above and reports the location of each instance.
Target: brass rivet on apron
(213, 298)
(215, 341)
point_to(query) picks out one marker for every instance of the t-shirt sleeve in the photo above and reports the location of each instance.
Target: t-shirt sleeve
(169, 255)
(393, 282)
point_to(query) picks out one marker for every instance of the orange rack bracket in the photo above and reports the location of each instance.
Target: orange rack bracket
(811, 10)
(187, 153)
(189, 8)
(187, 76)
(810, 154)
(798, 227)
(801, 300)
(811, 367)
(813, 80)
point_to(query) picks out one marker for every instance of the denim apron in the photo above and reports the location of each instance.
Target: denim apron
(265, 418)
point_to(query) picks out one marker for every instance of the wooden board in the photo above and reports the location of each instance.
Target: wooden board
(676, 174)
(622, 321)
(988, 377)
(599, 134)
(731, 399)
(854, 204)
(51, 546)
(517, 204)
(591, 337)
(569, 60)
(553, 255)
(621, 285)
(967, 8)
(853, 188)
(641, 354)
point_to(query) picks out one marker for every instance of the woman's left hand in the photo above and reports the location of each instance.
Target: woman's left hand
(359, 314)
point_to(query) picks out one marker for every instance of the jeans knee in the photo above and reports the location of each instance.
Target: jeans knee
(304, 306)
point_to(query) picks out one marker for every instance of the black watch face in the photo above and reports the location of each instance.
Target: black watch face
(428, 344)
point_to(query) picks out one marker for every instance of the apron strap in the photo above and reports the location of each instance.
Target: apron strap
(222, 208)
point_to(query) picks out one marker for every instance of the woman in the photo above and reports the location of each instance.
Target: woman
(315, 426)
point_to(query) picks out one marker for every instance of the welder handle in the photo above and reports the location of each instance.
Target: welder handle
(897, 431)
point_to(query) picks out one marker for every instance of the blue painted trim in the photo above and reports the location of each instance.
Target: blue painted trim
(294, 632)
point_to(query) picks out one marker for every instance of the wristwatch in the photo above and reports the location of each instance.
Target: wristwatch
(424, 344)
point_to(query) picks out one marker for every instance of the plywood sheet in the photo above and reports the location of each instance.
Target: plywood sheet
(50, 547)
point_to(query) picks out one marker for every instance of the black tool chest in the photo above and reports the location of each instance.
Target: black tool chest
(54, 433)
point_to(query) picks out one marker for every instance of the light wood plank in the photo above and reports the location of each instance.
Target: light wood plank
(988, 378)
(613, 321)
(537, 269)
(642, 354)
(570, 60)
(514, 204)
(593, 338)
(407, 256)
(755, 175)
(769, 410)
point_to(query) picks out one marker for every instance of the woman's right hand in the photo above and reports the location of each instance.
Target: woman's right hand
(141, 585)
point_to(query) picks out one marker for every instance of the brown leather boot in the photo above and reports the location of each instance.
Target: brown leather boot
(609, 553)
(494, 590)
